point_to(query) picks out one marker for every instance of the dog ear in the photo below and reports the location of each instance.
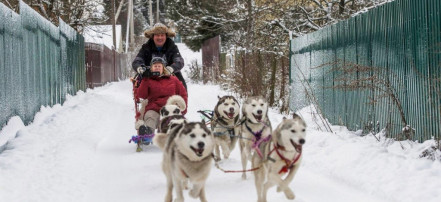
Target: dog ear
(162, 111)
(295, 116)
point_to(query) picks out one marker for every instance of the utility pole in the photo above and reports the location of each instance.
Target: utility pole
(150, 13)
(157, 11)
(114, 37)
(113, 23)
(129, 15)
(132, 28)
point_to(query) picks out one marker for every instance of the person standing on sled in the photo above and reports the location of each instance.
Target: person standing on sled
(160, 45)
(155, 90)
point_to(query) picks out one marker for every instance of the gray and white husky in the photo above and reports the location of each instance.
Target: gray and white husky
(282, 155)
(255, 129)
(187, 157)
(225, 125)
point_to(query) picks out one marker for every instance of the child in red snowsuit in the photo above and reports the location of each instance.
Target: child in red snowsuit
(154, 91)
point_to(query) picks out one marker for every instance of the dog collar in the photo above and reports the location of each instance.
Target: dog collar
(258, 134)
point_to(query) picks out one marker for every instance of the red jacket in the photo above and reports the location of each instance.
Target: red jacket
(158, 89)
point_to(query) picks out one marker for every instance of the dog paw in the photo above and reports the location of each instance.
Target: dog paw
(194, 193)
(289, 194)
(279, 189)
(168, 198)
(244, 176)
(179, 200)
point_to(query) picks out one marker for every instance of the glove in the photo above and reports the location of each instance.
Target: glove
(170, 69)
(141, 69)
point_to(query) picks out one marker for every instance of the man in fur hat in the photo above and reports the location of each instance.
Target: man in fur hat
(159, 45)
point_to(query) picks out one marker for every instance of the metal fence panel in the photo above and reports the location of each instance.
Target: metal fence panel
(434, 55)
(401, 43)
(340, 96)
(36, 69)
(364, 55)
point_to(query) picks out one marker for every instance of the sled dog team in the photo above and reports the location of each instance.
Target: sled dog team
(189, 147)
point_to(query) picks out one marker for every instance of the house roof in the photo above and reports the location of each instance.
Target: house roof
(102, 34)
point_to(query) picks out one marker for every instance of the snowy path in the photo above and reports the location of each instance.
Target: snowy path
(79, 152)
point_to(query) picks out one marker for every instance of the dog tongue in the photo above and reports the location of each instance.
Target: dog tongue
(258, 117)
(231, 115)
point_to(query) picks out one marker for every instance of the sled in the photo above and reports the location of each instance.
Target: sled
(140, 140)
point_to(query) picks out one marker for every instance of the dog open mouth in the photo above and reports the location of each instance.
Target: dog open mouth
(230, 115)
(258, 117)
(198, 152)
(298, 147)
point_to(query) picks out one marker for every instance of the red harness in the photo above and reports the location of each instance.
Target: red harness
(288, 163)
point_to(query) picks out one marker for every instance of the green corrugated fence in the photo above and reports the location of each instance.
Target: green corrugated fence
(40, 63)
(401, 40)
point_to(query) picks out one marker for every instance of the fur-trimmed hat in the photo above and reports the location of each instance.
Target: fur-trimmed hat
(159, 28)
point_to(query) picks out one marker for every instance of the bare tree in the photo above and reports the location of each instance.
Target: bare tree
(353, 77)
(76, 13)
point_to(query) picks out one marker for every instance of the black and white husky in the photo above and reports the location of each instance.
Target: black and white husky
(170, 114)
(255, 129)
(187, 157)
(281, 156)
(225, 125)
(172, 110)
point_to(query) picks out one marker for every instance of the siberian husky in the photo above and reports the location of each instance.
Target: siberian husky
(255, 129)
(169, 113)
(225, 125)
(282, 155)
(187, 156)
(175, 106)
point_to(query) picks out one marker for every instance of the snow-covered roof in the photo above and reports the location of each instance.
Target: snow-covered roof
(102, 34)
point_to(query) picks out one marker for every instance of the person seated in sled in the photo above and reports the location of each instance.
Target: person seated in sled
(160, 45)
(156, 87)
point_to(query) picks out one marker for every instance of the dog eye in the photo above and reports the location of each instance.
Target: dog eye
(303, 130)
(233, 103)
(192, 135)
(204, 135)
(253, 105)
(293, 131)
(261, 104)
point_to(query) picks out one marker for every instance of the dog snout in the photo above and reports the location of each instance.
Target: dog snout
(201, 145)
(302, 141)
(259, 111)
(231, 109)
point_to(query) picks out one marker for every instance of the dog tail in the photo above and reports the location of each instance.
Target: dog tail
(160, 140)
(178, 101)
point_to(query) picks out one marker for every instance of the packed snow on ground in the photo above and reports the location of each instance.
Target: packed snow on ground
(79, 151)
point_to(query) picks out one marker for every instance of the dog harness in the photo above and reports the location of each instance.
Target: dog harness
(258, 140)
(288, 163)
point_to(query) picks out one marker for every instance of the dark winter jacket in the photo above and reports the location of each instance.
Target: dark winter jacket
(158, 89)
(169, 50)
